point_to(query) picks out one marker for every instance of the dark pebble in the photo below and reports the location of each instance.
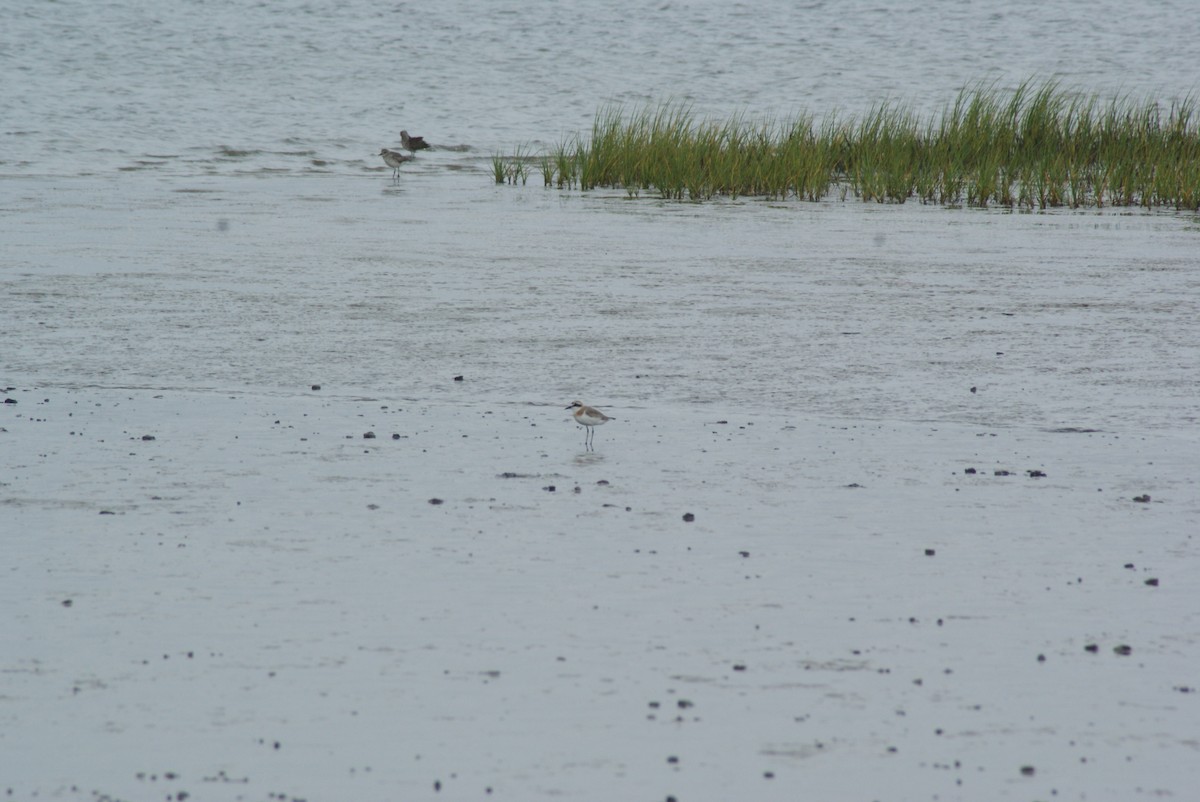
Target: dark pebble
(683, 704)
(10, 400)
(395, 436)
(107, 512)
(1003, 472)
(930, 552)
(971, 471)
(1041, 658)
(148, 437)
(1028, 771)
(458, 378)
(549, 488)
(739, 667)
(1123, 650)
(687, 516)
(1036, 474)
(436, 501)
(67, 603)
(973, 389)
(672, 759)
(602, 482)
(316, 387)
(1142, 499)
(368, 435)
(1152, 582)
(1091, 647)
(744, 553)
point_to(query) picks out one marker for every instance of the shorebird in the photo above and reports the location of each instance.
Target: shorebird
(588, 417)
(412, 143)
(394, 159)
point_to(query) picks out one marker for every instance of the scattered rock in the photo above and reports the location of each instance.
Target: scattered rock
(395, 436)
(107, 512)
(739, 666)
(684, 704)
(970, 471)
(436, 501)
(973, 389)
(10, 400)
(149, 437)
(744, 553)
(316, 387)
(1152, 581)
(602, 482)
(368, 435)
(458, 378)
(1092, 647)
(687, 516)
(1142, 499)
(930, 552)
(1123, 650)
(1002, 472)
(67, 602)
(1035, 474)
(549, 488)
(1028, 771)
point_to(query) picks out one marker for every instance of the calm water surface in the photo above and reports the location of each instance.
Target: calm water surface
(191, 198)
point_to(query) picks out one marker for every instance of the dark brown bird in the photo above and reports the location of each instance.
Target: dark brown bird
(413, 143)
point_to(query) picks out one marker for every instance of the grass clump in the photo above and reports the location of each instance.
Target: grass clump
(1034, 147)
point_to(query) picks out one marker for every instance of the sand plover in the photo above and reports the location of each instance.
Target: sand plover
(412, 143)
(394, 159)
(588, 417)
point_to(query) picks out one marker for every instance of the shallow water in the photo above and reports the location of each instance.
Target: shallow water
(195, 230)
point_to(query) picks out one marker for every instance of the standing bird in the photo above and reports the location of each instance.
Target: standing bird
(412, 143)
(588, 417)
(394, 159)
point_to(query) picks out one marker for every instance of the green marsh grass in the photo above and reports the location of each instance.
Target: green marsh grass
(1035, 147)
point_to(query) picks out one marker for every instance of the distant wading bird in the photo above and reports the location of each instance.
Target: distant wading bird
(394, 159)
(589, 418)
(412, 143)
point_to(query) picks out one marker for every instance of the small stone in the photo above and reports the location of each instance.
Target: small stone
(1002, 472)
(148, 437)
(436, 501)
(930, 552)
(1091, 647)
(970, 471)
(687, 516)
(67, 602)
(395, 436)
(316, 387)
(458, 378)
(1152, 582)
(1123, 650)
(549, 488)
(368, 435)
(1142, 499)
(1035, 474)
(1028, 771)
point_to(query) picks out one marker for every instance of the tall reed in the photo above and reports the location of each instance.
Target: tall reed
(1036, 147)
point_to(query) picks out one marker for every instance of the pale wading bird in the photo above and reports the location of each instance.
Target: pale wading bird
(412, 143)
(589, 418)
(394, 159)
